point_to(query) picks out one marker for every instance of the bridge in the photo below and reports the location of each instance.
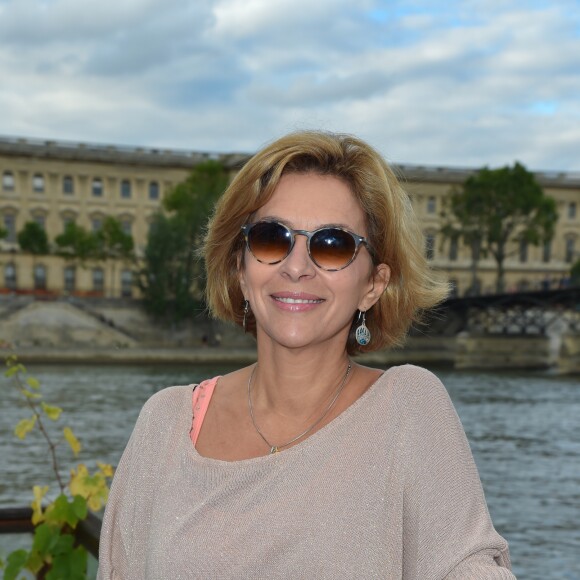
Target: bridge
(523, 313)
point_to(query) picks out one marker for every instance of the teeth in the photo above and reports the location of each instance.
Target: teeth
(297, 301)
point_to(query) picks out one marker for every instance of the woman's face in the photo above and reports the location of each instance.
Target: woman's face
(295, 303)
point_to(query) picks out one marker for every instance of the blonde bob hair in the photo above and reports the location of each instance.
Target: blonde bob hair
(393, 230)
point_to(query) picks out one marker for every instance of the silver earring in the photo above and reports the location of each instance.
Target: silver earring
(246, 310)
(363, 334)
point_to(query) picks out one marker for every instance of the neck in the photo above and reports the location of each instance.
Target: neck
(296, 383)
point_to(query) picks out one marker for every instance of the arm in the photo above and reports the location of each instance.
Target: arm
(448, 533)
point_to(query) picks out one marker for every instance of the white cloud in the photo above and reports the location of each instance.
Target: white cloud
(463, 82)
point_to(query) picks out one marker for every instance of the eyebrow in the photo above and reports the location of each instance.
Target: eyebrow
(275, 218)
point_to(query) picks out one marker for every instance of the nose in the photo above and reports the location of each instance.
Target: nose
(298, 264)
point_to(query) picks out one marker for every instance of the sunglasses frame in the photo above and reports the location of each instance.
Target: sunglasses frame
(358, 242)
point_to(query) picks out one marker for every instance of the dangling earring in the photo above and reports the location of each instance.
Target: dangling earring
(363, 334)
(246, 310)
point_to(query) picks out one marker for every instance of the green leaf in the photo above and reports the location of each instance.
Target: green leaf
(33, 383)
(71, 565)
(30, 395)
(79, 505)
(15, 563)
(42, 538)
(14, 369)
(53, 413)
(72, 440)
(24, 427)
(63, 512)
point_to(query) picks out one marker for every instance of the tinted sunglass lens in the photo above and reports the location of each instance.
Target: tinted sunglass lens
(269, 242)
(332, 249)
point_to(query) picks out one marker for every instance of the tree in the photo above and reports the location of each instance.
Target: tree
(500, 207)
(75, 243)
(3, 233)
(33, 239)
(163, 280)
(173, 278)
(114, 244)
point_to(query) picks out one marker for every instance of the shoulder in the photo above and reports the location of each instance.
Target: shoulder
(419, 394)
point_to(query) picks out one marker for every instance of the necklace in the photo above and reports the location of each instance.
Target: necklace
(276, 448)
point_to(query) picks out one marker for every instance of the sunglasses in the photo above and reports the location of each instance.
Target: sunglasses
(330, 248)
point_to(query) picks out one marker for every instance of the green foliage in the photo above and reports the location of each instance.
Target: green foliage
(55, 553)
(113, 242)
(3, 233)
(173, 278)
(496, 207)
(75, 243)
(33, 239)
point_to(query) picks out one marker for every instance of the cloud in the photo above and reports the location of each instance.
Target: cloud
(469, 82)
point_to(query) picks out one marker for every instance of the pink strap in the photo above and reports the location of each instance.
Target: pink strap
(200, 402)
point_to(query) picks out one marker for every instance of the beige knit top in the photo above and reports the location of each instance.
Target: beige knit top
(387, 490)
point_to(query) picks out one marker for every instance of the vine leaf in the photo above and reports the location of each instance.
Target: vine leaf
(52, 412)
(72, 440)
(24, 427)
(33, 383)
(39, 493)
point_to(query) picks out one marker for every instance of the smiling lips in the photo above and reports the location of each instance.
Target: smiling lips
(296, 302)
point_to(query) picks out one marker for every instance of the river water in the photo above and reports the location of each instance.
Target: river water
(524, 429)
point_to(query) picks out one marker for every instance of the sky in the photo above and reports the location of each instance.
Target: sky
(463, 83)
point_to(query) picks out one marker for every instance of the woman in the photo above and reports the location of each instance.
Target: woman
(306, 464)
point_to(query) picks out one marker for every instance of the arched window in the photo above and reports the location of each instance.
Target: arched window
(453, 248)
(126, 283)
(126, 189)
(153, 190)
(8, 181)
(9, 220)
(70, 278)
(523, 251)
(98, 280)
(570, 250)
(39, 277)
(10, 276)
(68, 185)
(38, 183)
(547, 252)
(97, 187)
(127, 225)
(431, 204)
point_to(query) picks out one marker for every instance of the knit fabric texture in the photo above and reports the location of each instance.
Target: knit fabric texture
(388, 489)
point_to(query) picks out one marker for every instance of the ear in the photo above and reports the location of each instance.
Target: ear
(379, 282)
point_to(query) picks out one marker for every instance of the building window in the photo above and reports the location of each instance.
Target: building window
(453, 248)
(66, 220)
(10, 276)
(8, 181)
(40, 220)
(38, 183)
(69, 278)
(39, 277)
(431, 205)
(523, 251)
(98, 280)
(547, 252)
(97, 187)
(572, 210)
(68, 185)
(127, 226)
(570, 250)
(430, 246)
(153, 190)
(96, 224)
(126, 189)
(126, 283)
(10, 227)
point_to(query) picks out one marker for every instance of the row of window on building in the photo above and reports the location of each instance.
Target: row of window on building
(570, 254)
(431, 207)
(68, 186)
(69, 279)
(9, 224)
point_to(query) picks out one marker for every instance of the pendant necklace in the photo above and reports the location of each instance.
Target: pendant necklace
(277, 448)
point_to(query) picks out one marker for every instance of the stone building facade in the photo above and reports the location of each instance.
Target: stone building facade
(53, 183)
